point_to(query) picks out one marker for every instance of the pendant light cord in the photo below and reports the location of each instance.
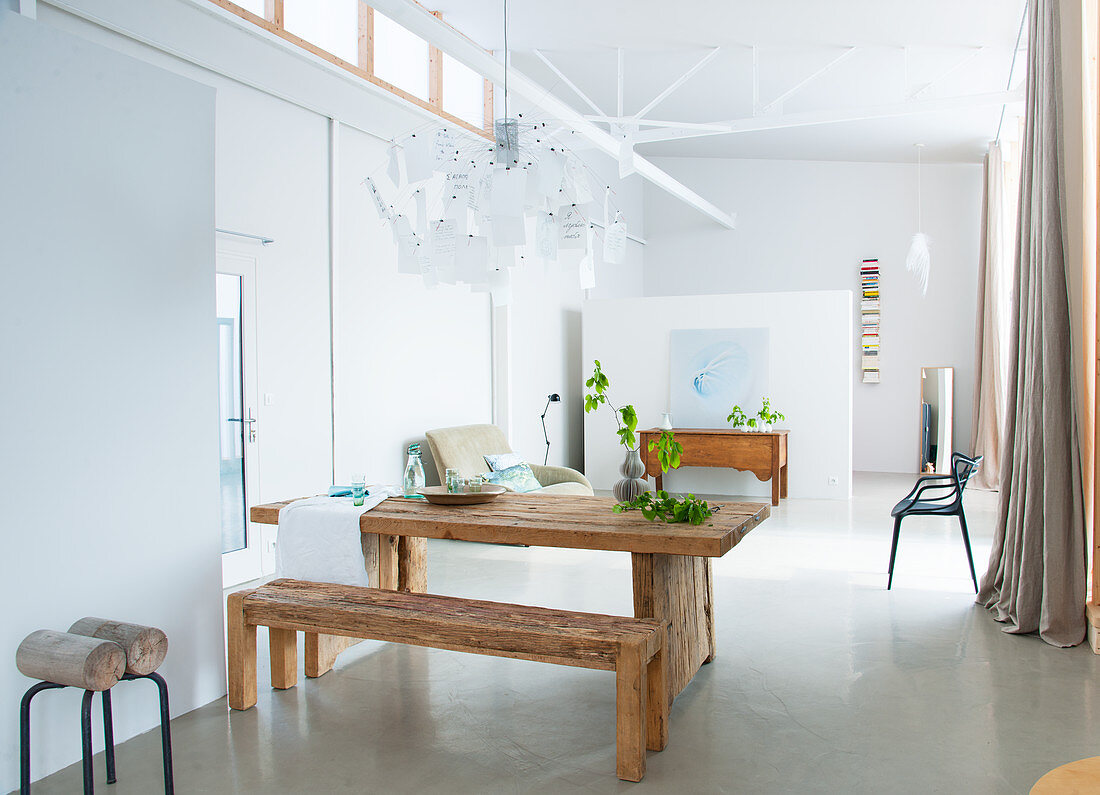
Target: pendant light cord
(919, 147)
(506, 59)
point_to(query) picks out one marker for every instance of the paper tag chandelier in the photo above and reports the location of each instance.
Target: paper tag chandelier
(464, 210)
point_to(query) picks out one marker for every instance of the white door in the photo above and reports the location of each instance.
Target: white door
(237, 426)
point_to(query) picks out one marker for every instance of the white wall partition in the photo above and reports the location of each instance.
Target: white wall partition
(807, 225)
(810, 381)
(108, 349)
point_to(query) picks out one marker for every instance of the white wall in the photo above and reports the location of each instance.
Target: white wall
(806, 226)
(810, 336)
(108, 479)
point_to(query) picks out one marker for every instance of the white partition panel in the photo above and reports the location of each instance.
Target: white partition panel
(810, 368)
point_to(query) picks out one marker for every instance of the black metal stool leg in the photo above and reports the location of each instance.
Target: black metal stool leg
(25, 734)
(86, 740)
(165, 728)
(966, 543)
(108, 736)
(893, 551)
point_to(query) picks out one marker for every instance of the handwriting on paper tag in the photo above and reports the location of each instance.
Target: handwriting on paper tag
(571, 230)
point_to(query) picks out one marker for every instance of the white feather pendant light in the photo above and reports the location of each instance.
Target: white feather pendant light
(919, 259)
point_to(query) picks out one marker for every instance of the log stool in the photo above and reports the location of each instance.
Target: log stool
(93, 655)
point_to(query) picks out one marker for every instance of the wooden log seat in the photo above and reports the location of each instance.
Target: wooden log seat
(632, 647)
(145, 647)
(71, 660)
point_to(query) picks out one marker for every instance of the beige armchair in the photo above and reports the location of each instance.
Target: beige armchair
(464, 447)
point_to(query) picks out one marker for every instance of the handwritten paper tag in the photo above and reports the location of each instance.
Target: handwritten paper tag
(571, 230)
(588, 265)
(546, 236)
(379, 203)
(614, 243)
(472, 259)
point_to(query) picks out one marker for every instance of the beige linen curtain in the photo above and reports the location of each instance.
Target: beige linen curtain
(989, 391)
(1036, 575)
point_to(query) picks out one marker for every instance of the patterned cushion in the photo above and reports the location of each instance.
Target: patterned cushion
(518, 478)
(502, 461)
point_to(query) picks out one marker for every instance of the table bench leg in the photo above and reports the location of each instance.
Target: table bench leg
(283, 645)
(242, 653)
(630, 712)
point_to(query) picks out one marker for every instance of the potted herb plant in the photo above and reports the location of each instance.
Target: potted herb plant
(767, 416)
(737, 418)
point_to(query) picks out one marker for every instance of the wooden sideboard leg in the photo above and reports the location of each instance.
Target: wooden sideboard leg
(630, 711)
(783, 481)
(777, 473)
(659, 481)
(283, 645)
(242, 653)
(412, 564)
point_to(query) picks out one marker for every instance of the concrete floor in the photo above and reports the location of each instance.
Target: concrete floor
(824, 682)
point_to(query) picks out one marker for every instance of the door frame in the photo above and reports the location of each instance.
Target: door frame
(246, 564)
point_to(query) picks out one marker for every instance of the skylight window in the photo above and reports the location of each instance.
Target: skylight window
(400, 57)
(332, 25)
(463, 92)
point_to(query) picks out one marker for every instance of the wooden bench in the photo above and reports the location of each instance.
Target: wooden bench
(632, 647)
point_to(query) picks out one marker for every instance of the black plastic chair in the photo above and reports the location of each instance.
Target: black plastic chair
(937, 495)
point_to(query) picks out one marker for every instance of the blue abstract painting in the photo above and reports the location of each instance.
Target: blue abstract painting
(710, 370)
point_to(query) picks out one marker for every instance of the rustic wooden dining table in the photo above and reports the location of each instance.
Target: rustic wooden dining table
(671, 563)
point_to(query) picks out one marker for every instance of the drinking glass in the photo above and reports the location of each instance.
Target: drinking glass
(451, 481)
(358, 489)
(474, 483)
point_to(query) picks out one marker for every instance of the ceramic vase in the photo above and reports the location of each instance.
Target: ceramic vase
(633, 482)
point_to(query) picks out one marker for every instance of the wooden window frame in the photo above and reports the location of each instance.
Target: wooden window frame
(273, 22)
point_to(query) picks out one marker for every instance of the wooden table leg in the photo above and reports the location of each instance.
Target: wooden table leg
(659, 480)
(776, 472)
(677, 588)
(783, 481)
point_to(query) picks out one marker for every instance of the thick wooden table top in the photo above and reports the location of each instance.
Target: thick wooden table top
(568, 521)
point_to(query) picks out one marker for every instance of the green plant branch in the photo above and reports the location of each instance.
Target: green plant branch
(670, 508)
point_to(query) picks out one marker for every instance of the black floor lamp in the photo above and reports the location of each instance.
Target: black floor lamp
(554, 398)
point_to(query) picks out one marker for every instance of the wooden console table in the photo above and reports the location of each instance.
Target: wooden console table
(763, 454)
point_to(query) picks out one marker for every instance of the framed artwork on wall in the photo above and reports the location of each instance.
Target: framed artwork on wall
(710, 370)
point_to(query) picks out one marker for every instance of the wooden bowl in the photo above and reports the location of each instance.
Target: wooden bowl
(440, 496)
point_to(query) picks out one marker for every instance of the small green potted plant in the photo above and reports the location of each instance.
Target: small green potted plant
(766, 418)
(737, 418)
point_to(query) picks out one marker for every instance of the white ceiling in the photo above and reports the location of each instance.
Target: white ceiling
(794, 39)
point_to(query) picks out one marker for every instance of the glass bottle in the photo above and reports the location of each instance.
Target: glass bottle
(414, 472)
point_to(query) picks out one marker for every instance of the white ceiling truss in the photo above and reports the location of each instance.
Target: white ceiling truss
(414, 17)
(769, 115)
(624, 130)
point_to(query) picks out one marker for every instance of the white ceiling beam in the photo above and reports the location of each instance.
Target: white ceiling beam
(790, 92)
(920, 92)
(818, 117)
(677, 83)
(435, 31)
(631, 121)
(573, 86)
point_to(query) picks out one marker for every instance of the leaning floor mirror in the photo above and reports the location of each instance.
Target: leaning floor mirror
(936, 418)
